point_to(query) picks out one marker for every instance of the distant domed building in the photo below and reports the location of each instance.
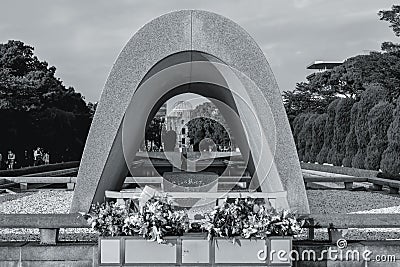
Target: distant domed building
(177, 119)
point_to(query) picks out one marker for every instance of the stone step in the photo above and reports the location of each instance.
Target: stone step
(228, 185)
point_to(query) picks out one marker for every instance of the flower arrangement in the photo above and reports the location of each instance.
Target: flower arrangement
(107, 218)
(156, 220)
(284, 223)
(244, 218)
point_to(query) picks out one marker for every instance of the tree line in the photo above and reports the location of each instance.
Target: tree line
(350, 115)
(37, 109)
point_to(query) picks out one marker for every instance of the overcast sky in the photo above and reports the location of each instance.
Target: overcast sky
(83, 38)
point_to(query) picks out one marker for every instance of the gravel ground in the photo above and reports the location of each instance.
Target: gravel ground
(343, 201)
(44, 201)
(321, 201)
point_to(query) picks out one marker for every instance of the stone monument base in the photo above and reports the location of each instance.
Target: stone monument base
(191, 182)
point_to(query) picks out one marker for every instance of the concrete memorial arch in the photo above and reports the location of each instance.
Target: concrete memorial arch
(191, 51)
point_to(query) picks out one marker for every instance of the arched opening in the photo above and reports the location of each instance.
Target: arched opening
(225, 66)
(210, 79)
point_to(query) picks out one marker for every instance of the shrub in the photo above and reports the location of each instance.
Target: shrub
(341, 129)
(317, 136)
(304, 138)
(379, 119)
(351, 146)
(328, 132)
(369, 98)
(298, 124)
(390, 162)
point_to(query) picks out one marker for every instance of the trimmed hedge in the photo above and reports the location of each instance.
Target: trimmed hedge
(317, 137)
(379, 119)
(351, 145)
(341, 129)
(369, 98)
(322, 156)
(391, 156)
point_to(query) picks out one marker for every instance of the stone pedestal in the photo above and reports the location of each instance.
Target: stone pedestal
(191, 182)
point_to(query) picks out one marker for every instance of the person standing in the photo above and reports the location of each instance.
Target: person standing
(37, 156)
(11, 160)
(26, 159)
(46, 158)
(1, 161)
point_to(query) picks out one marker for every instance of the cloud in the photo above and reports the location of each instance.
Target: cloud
(83, 38)
(301, 3)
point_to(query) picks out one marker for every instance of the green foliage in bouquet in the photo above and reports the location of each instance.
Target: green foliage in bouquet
(108, 218)
(284, 223)
(244, 218)
(156, 220)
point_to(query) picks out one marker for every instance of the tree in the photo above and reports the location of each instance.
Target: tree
(390, 162)
(317, 136)
(92, 109)
(202, 128)
(379, 119)
(297, 125)
(351, 146)
(306, 135)
(208, 122)
(209, 110)
(322, 156)
(369, 98)
(36, 109)
(153, 133)
(393, 17)
(346, 80)
(301, 137)
(305, 98)
(341, 129)
(352, 81)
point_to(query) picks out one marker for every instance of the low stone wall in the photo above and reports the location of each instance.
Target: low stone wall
(32, 254)
(85, 254)
(382, 253)
(339, 170)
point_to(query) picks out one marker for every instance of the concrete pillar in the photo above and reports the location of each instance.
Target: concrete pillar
(70, 186)
(348, 185)
(393, 190)
(336, 234)
(23, 186)
(306, 185)
(376, 187)
(48, 236)
(272, 202)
